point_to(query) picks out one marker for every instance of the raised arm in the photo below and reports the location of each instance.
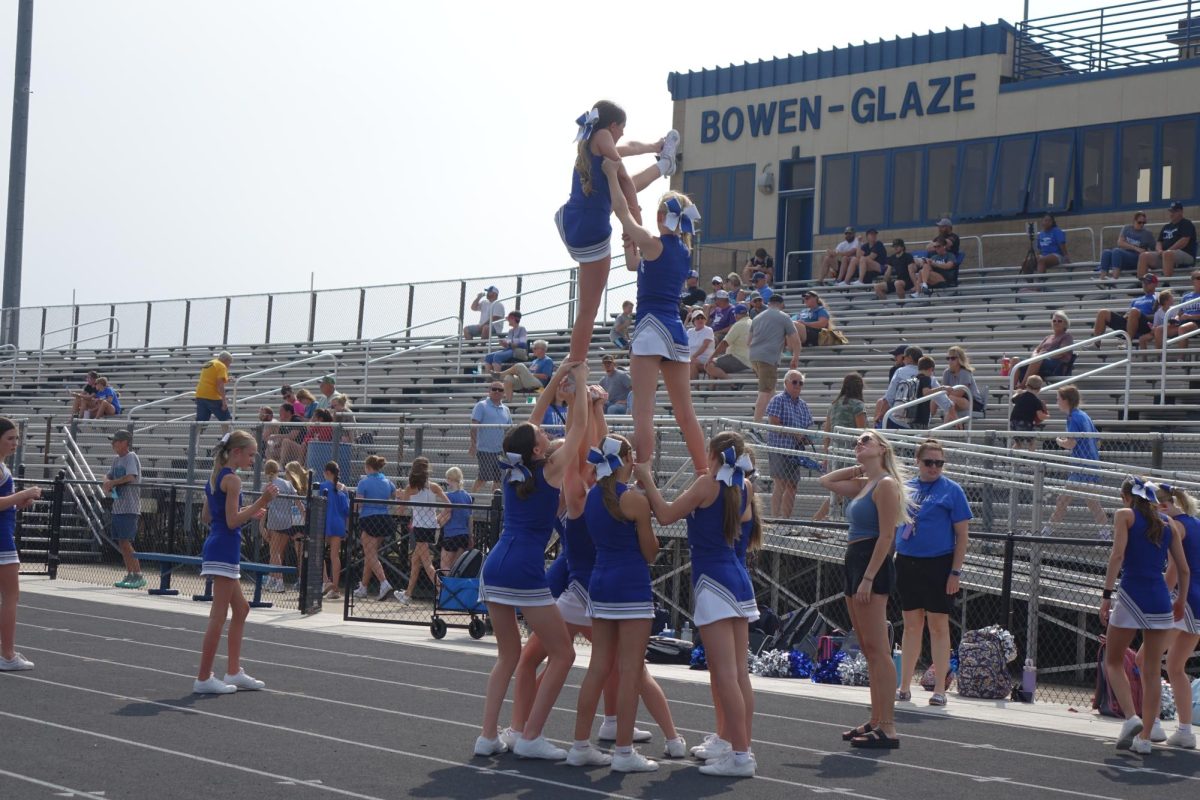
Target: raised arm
(847, 481)
(548, 394)
(236, 517)
(702, 490)
(644, 239)
(577, 428)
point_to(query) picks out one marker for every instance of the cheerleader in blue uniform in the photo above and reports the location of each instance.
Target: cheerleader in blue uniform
(715, 506)
(1181, 508)
(583, 221)
(514, 573)
(1142, 540)
(662, 259)
(10, 564)
(225, 515)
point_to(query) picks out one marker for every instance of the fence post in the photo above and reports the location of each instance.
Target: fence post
(312, 317)
(408, 318)
(362, 307)
(172, 520)
(1035, 566)
(193, 441)
(225, 326)
(312, 546)
(1156, 451)
(519, 288)
(987, 510)
(270, 309)
(46, 443)
(187, 320)
(149, 312)
(572, 289)
(56, 505)
(418, 442)
(112, 320)
(20, 454)
(75, 328)
(462, 301)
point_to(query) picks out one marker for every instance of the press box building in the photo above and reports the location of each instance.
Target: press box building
(989, 125)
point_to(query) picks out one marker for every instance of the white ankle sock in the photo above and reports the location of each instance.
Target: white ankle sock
(625, 751)
(612, 719)
(1184, 727)
(582, 744)
(741, 758)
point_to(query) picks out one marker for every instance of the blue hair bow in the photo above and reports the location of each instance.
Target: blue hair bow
(733, 471)
(515, 466)
(1144, 490)
(606, 458)
(586, 122)
(680, 218)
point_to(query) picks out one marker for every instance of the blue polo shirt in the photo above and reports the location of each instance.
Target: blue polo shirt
(374, 486)
(487, 439)
(935, 508)
(765, 293)
(1051, 242)
(544, 365)
(807, 314)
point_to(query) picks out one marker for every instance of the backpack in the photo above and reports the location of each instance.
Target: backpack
(906, 390)
(468, 565)
(1104, 700)
(982, 666)
(665, 650)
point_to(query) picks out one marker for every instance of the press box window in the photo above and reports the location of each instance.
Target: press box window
(977, 169)
(835, 192)
(1050, 185)
(943, 176)
(1137, 163)
(906, 186)
(1178, 159)
(726, 201)
(1096, 168)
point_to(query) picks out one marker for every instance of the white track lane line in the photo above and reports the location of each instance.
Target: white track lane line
(825, 723)
(62, 791)
(757, 741)
(819, 789)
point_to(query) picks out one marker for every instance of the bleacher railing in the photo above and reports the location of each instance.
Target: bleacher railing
(407, 332)
(1127, 362)
(324, 354)
(929, 398)
(113, 335)
(1166, 346)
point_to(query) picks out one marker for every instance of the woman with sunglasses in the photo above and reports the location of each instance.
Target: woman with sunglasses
(960, 372)
(1133, 241)
(877, 505)
(929, 558)
(1060, 326)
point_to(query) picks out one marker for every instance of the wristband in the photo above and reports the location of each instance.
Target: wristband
(1107, 594)
(956, 572)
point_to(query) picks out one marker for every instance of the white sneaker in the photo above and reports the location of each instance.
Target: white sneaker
(538, 748)
(489, 747)
(856, 283)
(509, 737)
(925, 289)
(212, 686)
(1141, 746)
(588, 757)
(728, 766)
(402, 597)
(17, 663)
(360, 592)
(709, 738)
(715, 749)
(1129, 729)
(634, 762)
(608, 732)
(385, 590)
(1181, 739)
(841, 283)
(667, 161)
(1157, 734)
(244, 682)
(675, 748)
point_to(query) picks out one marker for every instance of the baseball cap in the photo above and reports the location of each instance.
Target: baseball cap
(693, 274)
(758, 275)
(491, 289)
(944, 222)
(808, 293)
(741, 308)
(899, 349)
(898, 243)
(1175, 206)
(121, 436)
(750, 298)
(721, 294)
(606, 358)
(848, 230)
(329, 379)
(1149, 277)
(776, 298)
(717, 279)
(873, 230)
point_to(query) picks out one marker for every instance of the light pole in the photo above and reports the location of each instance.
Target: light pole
(15, 230)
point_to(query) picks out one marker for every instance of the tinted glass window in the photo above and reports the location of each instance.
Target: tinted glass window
(872, 171)
(835, 192)
(1012, 176)
(943, 175)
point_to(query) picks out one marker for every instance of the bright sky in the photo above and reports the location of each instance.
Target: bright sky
(188, 148)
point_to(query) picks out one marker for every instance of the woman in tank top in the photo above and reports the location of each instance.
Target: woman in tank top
(876, 505)
(1181, 508)
(425, 523)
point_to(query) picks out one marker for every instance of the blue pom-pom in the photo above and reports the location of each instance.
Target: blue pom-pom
(827, 669)
(698, 659)
(801, 664)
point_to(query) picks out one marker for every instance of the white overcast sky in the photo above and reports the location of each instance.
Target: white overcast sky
(181, 148)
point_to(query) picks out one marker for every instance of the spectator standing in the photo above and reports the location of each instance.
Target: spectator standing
(529, 377)
(896, 276)
(960, 372)
(701, 343)
(721, 317)
(622, 328)
(279, 520)
(376, 523)
(732, 354)
(456, 531)
(11, 501)
(1054, 366)
(487, 437)
(1051, 245)
(426, 521)
(210, 388)
(491, 314)
(770, 332)
(812, 319)
(337, 512)
(759, 262)
(1082, 448)
(788, 409)
(1138, 320)
(1028, 412)
(514, 347)
(837, 258)
(1176, 245)
(1131, 244)
(870, 261)
(122, 484)
(617, 384)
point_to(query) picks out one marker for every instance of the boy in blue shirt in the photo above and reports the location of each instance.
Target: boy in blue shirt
(1083, 448)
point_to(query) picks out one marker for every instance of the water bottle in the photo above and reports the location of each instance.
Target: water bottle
(896, 659)
(1028, 681)
(667, 632)
(686, 633)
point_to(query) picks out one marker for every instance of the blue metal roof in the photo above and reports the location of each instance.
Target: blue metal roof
(927, 48)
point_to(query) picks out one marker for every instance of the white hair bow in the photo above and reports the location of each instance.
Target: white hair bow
(1143, 489)
(515, 466)
(679, 217)
(733, 471)
(606, 458)
(586, 122)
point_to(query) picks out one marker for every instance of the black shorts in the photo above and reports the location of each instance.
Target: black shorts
(1117, 321)
(297, 531)
(380, 526)
(858, 556)
(811, 337)
(949, 276)
(424, 535)
(453, 544)
(922, 583)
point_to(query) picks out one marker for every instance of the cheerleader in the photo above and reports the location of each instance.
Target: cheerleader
(659, 342)
(715, 506)
(10, 564)
(514, 573)
(224, 513)
(1142, 540)
(1181, 508)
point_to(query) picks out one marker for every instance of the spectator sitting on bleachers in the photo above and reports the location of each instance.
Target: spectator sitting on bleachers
(554, 420)
(104, 403)
(868, 263)
(1166, 299)
(760, 286)
(1137, 320)
(927, 384)
(960, 372)
(811, 319)
(896, 276)
(1060, 336)
(720, 317)
(701, 343)
(267, 427)
(210, 388)
(733, 287)
(317, 433)
(289, 396)
(837, 258)
(488, 442)
(307, 402)
(908, 369)
(939, 268)
(83, 398)
(1185, 320)
(717, 283)
(325, 391)
(515, 346)
(622, 328)
(1051, 245)
(491, 315)
(1028, 412)
(770, 331)
(343, 414)
(755, 304)
(945, 231)
(897, 359)
(1133, 241)
(732, 354)
(529, 377)
(788, 410)
(284, 444)
(617, 383)
(692, 294)
(1176, 245)
(759, 262)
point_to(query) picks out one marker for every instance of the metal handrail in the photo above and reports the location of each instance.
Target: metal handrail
(1127, 362)
(236, 381)
(113, 334)
(396, 353)
(77, 466)
(15, 357)
(367, 346)
(929, 398)
(1162, 373)
(159, 402)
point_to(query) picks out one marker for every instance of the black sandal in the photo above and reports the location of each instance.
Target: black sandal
(862, 730)
(875, 740)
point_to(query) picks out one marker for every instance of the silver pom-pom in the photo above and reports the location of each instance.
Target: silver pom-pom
(772, 664)
(1167, 709)
(853, 671)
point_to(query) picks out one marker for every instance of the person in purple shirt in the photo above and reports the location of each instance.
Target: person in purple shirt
(721, 317)
(1137, 321)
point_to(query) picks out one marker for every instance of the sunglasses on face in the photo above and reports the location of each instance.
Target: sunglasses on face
(863, 442)
(496, 389)
(795, 383)
(931, 462)
(952, 358)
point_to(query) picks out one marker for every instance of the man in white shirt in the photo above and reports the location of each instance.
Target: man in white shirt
(839, 256)
(491, 315)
